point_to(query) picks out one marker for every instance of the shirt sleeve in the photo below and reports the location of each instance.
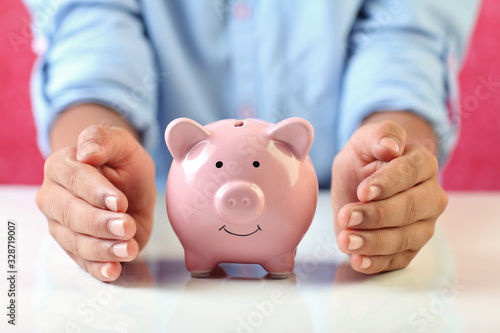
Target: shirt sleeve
(92, 51)
(406, 55)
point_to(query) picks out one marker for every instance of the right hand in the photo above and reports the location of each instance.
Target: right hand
(99, 199)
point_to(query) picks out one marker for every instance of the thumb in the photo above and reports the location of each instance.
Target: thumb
(378, 142)
(99, 145)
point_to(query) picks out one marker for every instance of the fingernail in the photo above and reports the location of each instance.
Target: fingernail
(355, 242)
(89, 147)
(373, 192)
(367, 262)
(117, 227)
(111, 204)
(389, 144)
(104, 271)
(120, 250)
(355, 219)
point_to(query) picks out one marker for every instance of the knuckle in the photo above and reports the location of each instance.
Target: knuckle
(392, 129)
(388, 126)
(94, 132)
(57, 161)
(66, 213)
(95, 195)
(404, 241)
(424, 159)
(403, 172)
(95, 252)
(67, 153)
(377, 244)
(443, 201)
(94, 224)
(72, 179)
(376, 216)
(409, 170)
(395, 262)
(421, 155)
(433, 162)
(39, 199)
(48, 165)
(389, 263)
(86, 265)
(407, 257)
(411, 211)
(398, 260)
(73, 244)
(438, 199)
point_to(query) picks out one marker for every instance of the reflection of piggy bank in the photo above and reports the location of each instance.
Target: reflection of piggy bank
(240, 191)
(226, 304)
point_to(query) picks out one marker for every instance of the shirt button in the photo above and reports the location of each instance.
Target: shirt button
(241, 10)
(246, 111)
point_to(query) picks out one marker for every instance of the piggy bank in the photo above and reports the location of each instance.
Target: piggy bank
(240, 191)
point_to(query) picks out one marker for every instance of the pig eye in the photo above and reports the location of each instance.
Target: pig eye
(256, 164)
(218, 165)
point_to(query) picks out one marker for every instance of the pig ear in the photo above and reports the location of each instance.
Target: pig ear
(296, 133)
(182, 135)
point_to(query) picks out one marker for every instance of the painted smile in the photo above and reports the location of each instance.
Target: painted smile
(241, 235)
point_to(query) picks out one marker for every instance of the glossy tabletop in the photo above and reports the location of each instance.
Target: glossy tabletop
(453, 285)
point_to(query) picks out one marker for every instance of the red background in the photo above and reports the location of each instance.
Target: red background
(475, 164)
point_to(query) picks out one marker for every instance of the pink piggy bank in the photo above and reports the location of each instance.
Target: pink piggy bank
(240, 191)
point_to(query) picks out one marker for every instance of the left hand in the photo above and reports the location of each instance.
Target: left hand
(386, 198)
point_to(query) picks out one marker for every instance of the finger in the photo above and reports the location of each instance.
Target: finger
(84, 181)
(83, 218)
(421, 202)
(415, 166)
(377, 264)
(387, 240)
(383, 141)
(91, 248)
(104, 271)
(121, 160)
(99, 145)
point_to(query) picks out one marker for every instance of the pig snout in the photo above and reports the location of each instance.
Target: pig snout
(239, 202)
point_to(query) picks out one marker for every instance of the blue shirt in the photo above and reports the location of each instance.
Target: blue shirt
(330, 62)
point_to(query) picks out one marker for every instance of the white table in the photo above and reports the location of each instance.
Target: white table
(453, 285)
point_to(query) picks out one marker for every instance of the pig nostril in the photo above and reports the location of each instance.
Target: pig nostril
(239, 202)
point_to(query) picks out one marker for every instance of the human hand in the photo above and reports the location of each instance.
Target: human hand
(386, 198)
(99, 199)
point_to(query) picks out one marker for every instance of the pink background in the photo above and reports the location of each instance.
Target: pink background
(475, 164)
